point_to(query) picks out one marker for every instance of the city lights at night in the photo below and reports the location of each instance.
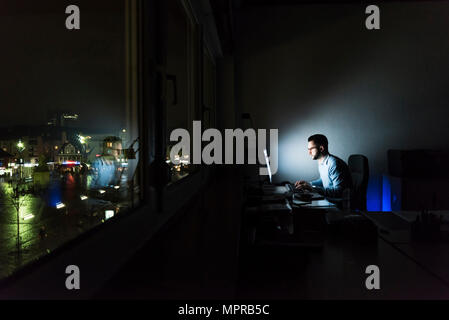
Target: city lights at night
(71, 163)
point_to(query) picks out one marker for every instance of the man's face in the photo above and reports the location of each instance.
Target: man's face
(314, 150)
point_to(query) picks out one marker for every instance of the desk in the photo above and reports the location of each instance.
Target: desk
(432, 256)
(337, 270)
(289, 222)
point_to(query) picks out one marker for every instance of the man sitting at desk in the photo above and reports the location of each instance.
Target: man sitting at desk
(334, 172)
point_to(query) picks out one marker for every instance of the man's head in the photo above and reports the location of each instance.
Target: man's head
(317, 146)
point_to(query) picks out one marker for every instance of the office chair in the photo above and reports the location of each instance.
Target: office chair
(359, 170)
(354, 225)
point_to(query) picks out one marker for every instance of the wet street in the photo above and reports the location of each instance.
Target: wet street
(49, 218)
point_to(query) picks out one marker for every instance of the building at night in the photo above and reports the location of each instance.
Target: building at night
(68, 153)
(5, 159)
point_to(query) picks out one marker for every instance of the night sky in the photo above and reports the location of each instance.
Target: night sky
(46, 67)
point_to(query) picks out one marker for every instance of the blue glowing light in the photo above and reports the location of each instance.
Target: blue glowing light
(373, 194)
(378, 195)
(386, 193)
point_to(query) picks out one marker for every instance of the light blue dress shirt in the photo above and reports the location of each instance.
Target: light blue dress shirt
(334, 177)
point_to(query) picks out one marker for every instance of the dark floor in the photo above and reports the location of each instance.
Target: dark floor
(195, 256)
(201, 255)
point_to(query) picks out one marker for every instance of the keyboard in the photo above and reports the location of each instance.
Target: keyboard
(291, 187)
(286, 188)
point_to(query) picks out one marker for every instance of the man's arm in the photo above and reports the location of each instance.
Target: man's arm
(317, 186)
(317, 183)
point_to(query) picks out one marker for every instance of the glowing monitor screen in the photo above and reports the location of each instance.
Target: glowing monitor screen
(267, 161)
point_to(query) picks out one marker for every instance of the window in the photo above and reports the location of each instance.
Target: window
(209, 90)
(182, 78)
(75, 126)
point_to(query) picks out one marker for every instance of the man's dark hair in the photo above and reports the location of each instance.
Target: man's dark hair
(320, 140)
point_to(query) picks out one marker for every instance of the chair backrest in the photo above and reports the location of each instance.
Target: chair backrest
(358, 167)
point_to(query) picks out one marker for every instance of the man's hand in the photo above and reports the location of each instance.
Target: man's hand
(299, 183)
(303, 185)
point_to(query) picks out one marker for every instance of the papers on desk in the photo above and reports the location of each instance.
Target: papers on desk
(320, 203)
(299, 202)
(314, 203)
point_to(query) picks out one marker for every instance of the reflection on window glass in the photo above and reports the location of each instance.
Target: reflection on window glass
(209, 83)
(69, 144)
(181, 77)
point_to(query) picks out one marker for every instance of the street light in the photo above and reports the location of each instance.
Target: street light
(20, 148)
(82, 139)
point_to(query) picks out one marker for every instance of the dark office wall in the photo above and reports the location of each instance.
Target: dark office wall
(316, 68)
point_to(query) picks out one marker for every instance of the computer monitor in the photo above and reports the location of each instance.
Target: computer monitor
(267, 161)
